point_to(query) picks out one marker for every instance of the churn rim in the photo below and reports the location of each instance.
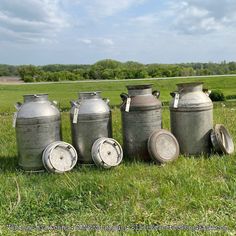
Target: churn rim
(139, 86)
(190, 83)
(88, 92)
(35, 94)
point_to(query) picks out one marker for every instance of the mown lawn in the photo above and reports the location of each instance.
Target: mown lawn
(65, 92)
(192, 191)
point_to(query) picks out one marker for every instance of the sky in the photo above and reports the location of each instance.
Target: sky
(44, 32)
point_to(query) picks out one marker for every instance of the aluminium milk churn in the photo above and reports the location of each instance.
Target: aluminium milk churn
(191, 117)
(90, 119)
(37, 123)
(141, 115)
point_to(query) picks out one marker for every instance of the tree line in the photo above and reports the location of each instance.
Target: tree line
(111, 69)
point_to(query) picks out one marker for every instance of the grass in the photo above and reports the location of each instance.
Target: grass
(188, 192)
(65, 92)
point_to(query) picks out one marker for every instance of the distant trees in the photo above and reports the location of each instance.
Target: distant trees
(111, 69)
(8, 70)
(29, 73)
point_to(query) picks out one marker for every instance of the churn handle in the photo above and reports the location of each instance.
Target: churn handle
(18, 106)
(156, 93)
(172, 94)
(106, 100)
(124, 96)
(54, 103)
(73, 103)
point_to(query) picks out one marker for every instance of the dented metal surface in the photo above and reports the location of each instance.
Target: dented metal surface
(38, 123)
(191, 119)
(140, 120)
(90, 119)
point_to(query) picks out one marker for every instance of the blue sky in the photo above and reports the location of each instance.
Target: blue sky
(148, 31)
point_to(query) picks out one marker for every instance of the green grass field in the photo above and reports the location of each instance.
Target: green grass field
(192, 191)
(64, 92)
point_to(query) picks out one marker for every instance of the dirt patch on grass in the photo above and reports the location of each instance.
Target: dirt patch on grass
(10, 80)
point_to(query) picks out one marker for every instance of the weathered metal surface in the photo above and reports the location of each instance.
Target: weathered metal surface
(106, 153)
(222, 140)
(59, 157)
(163, 146)
(90, 119)
(38, 124)
(191, 116)
(141, 115)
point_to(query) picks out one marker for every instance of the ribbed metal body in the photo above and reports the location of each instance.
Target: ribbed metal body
(38, 124)
(192, 119)
(140, 120)
(90, 119)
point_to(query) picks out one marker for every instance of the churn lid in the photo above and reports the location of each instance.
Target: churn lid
(163, 146)
(222, 140)
(106, 152)
(59, 157)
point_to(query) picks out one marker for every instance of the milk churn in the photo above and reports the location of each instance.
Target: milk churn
(37, 123)
(191, 116)
(141, 115)
(90, 119)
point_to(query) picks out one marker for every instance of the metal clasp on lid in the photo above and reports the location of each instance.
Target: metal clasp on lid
(176, 101)
(128, 102)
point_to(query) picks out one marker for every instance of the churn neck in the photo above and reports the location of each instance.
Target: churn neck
(190, 87)
(89, 95)
(35, 97)
(134, 90)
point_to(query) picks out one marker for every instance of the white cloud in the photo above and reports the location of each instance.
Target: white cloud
(106, 41)
(31, 20)
(84, 31)
(145, 19)
(97, 41)
(202, 16)
(85, 41)
(104, 8)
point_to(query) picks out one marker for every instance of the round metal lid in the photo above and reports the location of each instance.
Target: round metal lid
(107, 152)
(222, 140)
(59, 157)
(163, 146)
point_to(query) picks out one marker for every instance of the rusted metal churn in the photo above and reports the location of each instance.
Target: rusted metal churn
(37, 123)
(191, 116)
(141, 115)
(90, 119)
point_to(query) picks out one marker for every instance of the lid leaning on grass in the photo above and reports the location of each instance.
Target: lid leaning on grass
(163, 146)
(106, 153)
(59, 157)
(222, 140)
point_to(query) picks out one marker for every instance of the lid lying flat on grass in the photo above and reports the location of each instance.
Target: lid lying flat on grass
(222, 140)
(59, 157)
(106, 153)
(163, 146)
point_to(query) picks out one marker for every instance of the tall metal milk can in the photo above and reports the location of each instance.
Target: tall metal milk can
(141, 115)
(90, 119)
(191, 117)
(37, 123)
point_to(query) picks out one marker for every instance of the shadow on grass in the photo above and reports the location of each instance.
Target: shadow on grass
(9, 164)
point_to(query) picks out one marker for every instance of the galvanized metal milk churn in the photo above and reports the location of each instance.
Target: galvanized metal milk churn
(141, 115)
(37, 123)
(191, 115)
(90, 119)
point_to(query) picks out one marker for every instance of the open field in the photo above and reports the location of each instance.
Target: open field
(64, 92)
(198, 191)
